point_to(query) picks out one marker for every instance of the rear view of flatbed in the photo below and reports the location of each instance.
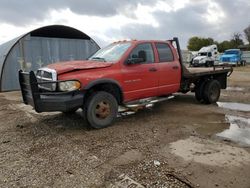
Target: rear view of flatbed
(205, 82)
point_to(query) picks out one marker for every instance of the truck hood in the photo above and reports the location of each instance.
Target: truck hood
(229, 55)
(68, 66)
(200, 57)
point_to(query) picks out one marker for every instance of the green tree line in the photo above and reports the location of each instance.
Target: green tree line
(196, 43)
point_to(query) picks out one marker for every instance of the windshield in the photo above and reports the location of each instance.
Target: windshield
(111, 53)
(203, 54)
(231, 52)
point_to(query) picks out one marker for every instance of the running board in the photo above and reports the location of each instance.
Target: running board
(147, 102)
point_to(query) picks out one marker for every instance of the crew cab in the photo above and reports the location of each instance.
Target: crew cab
(129, 74)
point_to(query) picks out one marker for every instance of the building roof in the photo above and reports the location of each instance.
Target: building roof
(51, 31)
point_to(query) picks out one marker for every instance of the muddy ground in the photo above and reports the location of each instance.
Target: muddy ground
(174, 144)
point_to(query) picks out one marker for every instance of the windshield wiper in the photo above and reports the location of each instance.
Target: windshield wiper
(99, 58)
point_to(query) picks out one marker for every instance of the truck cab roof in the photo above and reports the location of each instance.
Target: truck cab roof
(141, 41)
(208, 48)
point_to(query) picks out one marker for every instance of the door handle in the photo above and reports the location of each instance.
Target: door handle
(152, 69)
(175, 67)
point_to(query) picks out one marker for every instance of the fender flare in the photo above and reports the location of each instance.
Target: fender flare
(105, 81)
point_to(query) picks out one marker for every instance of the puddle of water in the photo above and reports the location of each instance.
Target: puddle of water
(235, 89)
(209, 152)
(239, 130)
(235, 106)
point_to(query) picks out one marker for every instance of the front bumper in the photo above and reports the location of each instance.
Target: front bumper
(47, 101)
(198, 64)
(229, 62)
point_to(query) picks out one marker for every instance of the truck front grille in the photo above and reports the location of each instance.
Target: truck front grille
(46, 75)
(196, 61)
(225, 59)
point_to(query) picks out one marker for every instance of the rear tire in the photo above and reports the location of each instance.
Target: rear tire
(211, 92)
(100, 109)
(199, 91)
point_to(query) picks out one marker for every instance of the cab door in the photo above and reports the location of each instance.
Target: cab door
(140, 80)
(169, 69)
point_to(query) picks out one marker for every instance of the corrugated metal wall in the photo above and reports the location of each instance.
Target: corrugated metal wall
(31, 53)
(246, 56)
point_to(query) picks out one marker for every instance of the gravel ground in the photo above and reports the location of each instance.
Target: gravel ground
(173, 144)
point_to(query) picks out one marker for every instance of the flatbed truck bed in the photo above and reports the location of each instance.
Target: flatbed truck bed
(192, 72)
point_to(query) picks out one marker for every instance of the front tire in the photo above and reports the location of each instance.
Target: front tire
(209, 64)
(101, 109)
(243, 63)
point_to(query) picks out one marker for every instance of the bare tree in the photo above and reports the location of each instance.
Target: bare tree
(237, 39)
(247, 33)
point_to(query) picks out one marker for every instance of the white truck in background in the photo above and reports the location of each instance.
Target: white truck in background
(207, 56)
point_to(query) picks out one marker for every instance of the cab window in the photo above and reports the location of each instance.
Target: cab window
(165, 52)
(144, 51)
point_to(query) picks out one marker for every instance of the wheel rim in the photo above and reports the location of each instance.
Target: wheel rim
(102, 110)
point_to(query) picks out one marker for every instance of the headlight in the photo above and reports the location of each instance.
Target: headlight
(69, 85)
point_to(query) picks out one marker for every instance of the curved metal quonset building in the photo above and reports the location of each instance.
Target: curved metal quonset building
(41, 47)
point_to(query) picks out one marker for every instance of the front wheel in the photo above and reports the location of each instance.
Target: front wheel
(243, 63)
(101, 109)
(209, 64)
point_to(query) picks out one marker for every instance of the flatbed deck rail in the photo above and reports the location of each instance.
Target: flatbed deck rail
(196, 72)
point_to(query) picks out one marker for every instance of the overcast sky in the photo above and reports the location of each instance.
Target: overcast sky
(109, 20)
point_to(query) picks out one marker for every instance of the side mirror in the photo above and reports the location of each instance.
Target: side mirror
(133, 61)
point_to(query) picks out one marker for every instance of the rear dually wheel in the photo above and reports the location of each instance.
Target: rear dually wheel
(211, 91)
(199, 91)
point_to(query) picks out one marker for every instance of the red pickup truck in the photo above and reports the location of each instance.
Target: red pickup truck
(126, 73)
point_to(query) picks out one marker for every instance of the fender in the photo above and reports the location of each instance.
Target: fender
(105, 81)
